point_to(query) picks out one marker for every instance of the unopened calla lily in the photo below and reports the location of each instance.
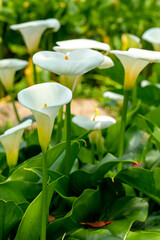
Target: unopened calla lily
(33, 30)
(44, 101)
(11, 140)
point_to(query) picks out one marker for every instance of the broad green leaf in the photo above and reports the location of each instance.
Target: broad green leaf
(85, 208)
(10, 215)
(21, 174)
(142, 235)
(94, 234)
(91, 174)
(30, 225)
(144, 180)
(124, 212)
(18, 191)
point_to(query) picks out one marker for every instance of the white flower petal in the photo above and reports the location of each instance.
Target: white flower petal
(113, 96)
(13, 63)
(107, 63)
(79, 61)
(35, 98)
(100, 122)
(70, 45)
(11, 140)
(32, 31)
(152, 35)
(151, 56)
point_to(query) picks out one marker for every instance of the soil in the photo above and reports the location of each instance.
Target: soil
(84, 107)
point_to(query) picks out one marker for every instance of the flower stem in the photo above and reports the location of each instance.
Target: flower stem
(14, 106)
(68, 138)
(34, 73)
(44, 198)
(59, 125)
(134, 94)
(123, 126)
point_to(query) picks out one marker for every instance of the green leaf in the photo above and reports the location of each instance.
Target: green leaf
(144, 180)
(91, 174)
(85, 208)
(18, 191)
(10, 214)
(30, 225)
(142, 235)
(125, 211)
(93, 234)
(20, 172)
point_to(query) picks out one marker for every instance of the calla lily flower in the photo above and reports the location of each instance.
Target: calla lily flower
(113, 96)
(75, 63)
(44, 101)
(32, 31)
(70, 45)
(93, 123)
(133, 64)
(152, 35)
(130, 40)
(8, 68)
(11, 140)
(148, 55)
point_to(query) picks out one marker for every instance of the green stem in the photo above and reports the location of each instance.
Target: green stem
(1, 40)
(134, 94)
(123, 126)
(44, 198)
(68, 139)
(145, 150)
(34, 73)
(59, 125)
(14, 106)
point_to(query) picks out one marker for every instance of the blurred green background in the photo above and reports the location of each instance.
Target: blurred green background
(102, 20)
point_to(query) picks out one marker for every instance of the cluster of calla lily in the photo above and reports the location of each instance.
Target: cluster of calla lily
(70, 59)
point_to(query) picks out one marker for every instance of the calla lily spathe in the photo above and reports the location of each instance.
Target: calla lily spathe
(133, 64)
(8, 68)
(11, 140)
(130, 41)
(152, 35)
(113, 96)
(70, 45)
(44, 101)
(93, 123)
(75, 63)
(148, 55)
(32, 31)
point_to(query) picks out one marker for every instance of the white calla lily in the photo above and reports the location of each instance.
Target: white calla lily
(11, 140)
(44, 101)
(32, 31)
(133, 62)
(113, 96)
(148, 55)
(70, 45)
(130, 40)
(75, 63)
(93, 123)
(152, 35)
(8, 68)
